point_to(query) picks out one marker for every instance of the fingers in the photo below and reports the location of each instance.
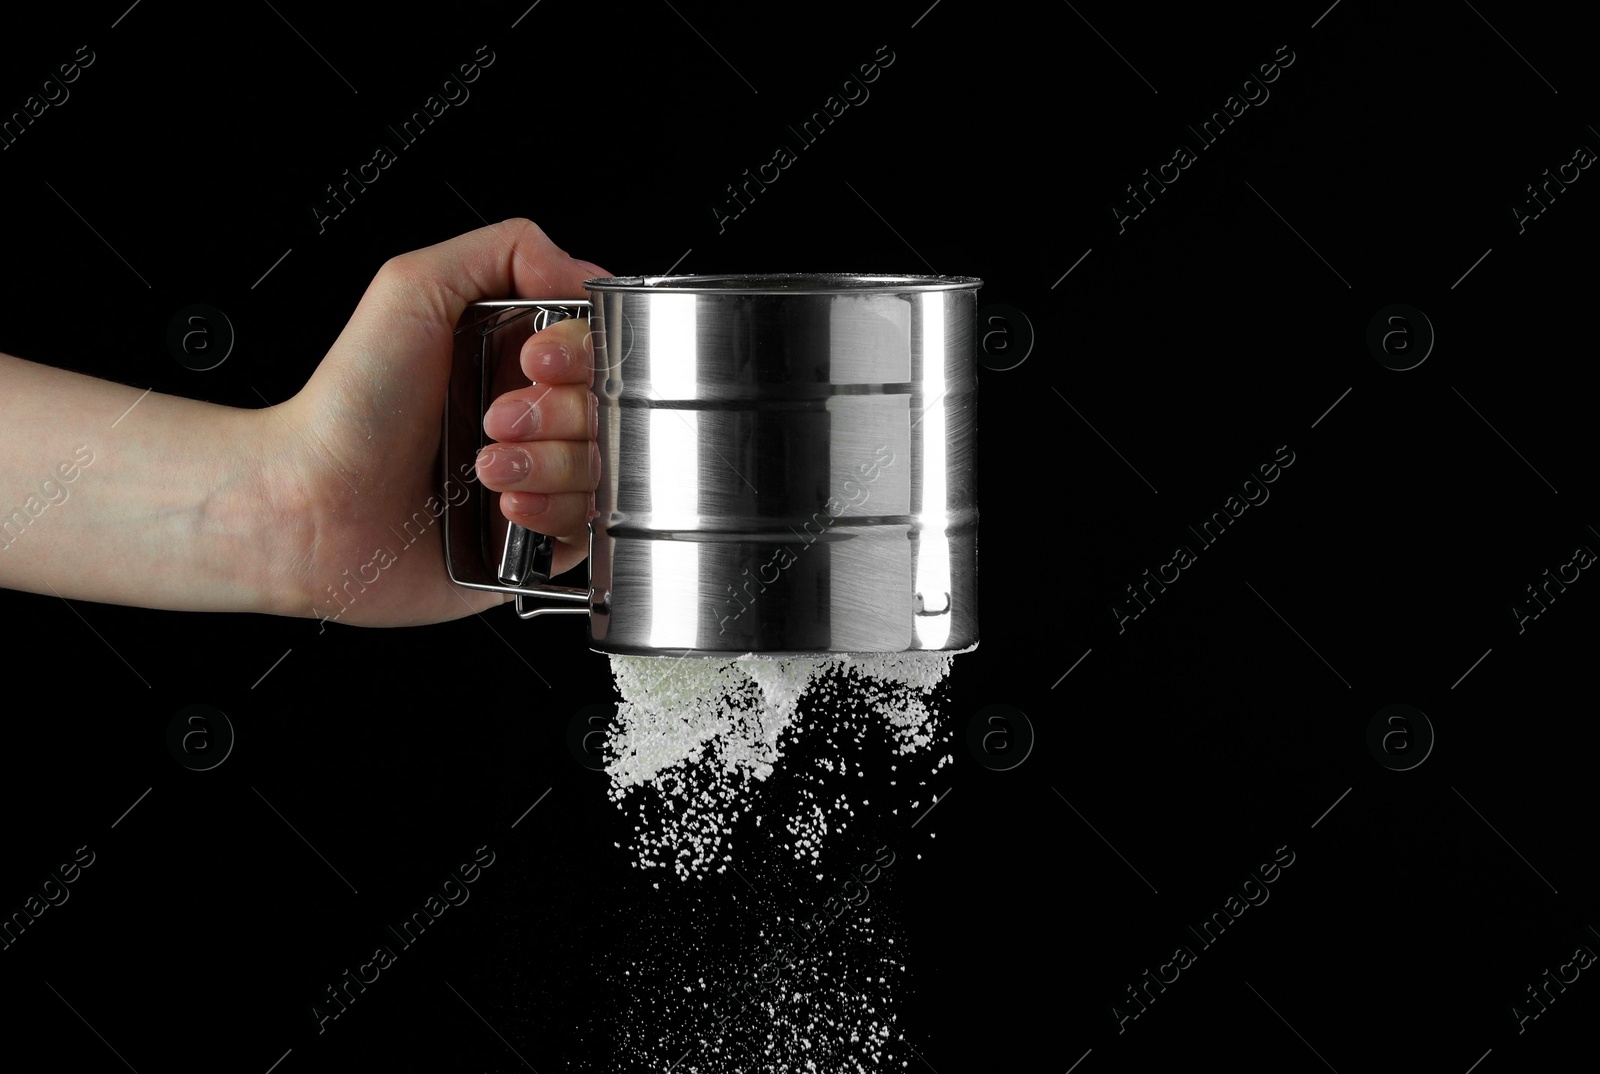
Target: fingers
(558, 406)
(540, 466)
(559, 514)
(561, 354)
(547, 463)
(544, 412)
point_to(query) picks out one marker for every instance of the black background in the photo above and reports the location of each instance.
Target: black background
(1222, 724)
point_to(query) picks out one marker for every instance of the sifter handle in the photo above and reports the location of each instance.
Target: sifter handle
(481, 549)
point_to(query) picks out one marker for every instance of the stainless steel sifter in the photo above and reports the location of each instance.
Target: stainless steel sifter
(787, 464)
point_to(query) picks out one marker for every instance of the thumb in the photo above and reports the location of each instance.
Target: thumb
(431, 287)
(400, 335)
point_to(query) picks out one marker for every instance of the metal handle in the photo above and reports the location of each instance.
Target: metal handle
(473, 540)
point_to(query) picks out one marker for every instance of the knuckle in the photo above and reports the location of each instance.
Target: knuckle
(521, 226)
(575, 412)
(400, 269)
(539, 474)
(552, 466)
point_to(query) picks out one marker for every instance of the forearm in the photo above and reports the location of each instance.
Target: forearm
(162, 505)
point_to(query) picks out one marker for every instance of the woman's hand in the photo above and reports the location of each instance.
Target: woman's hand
(353, 472)
(326, 505)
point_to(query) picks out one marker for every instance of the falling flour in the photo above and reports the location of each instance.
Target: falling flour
(692, 735)
(696, 754)
(692, 1004)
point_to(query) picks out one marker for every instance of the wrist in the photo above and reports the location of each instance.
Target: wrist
(256, 521)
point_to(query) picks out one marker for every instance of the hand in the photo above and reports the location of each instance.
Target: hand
(547, 470)
(352, 470)
(326, 505)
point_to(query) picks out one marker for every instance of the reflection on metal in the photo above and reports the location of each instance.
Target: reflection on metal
(787, 464)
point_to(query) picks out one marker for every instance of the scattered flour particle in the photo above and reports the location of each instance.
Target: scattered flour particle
(694, 735)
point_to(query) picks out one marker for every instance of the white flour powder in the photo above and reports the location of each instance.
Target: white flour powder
(693, 741)
(692, 1007)
(693, 733)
